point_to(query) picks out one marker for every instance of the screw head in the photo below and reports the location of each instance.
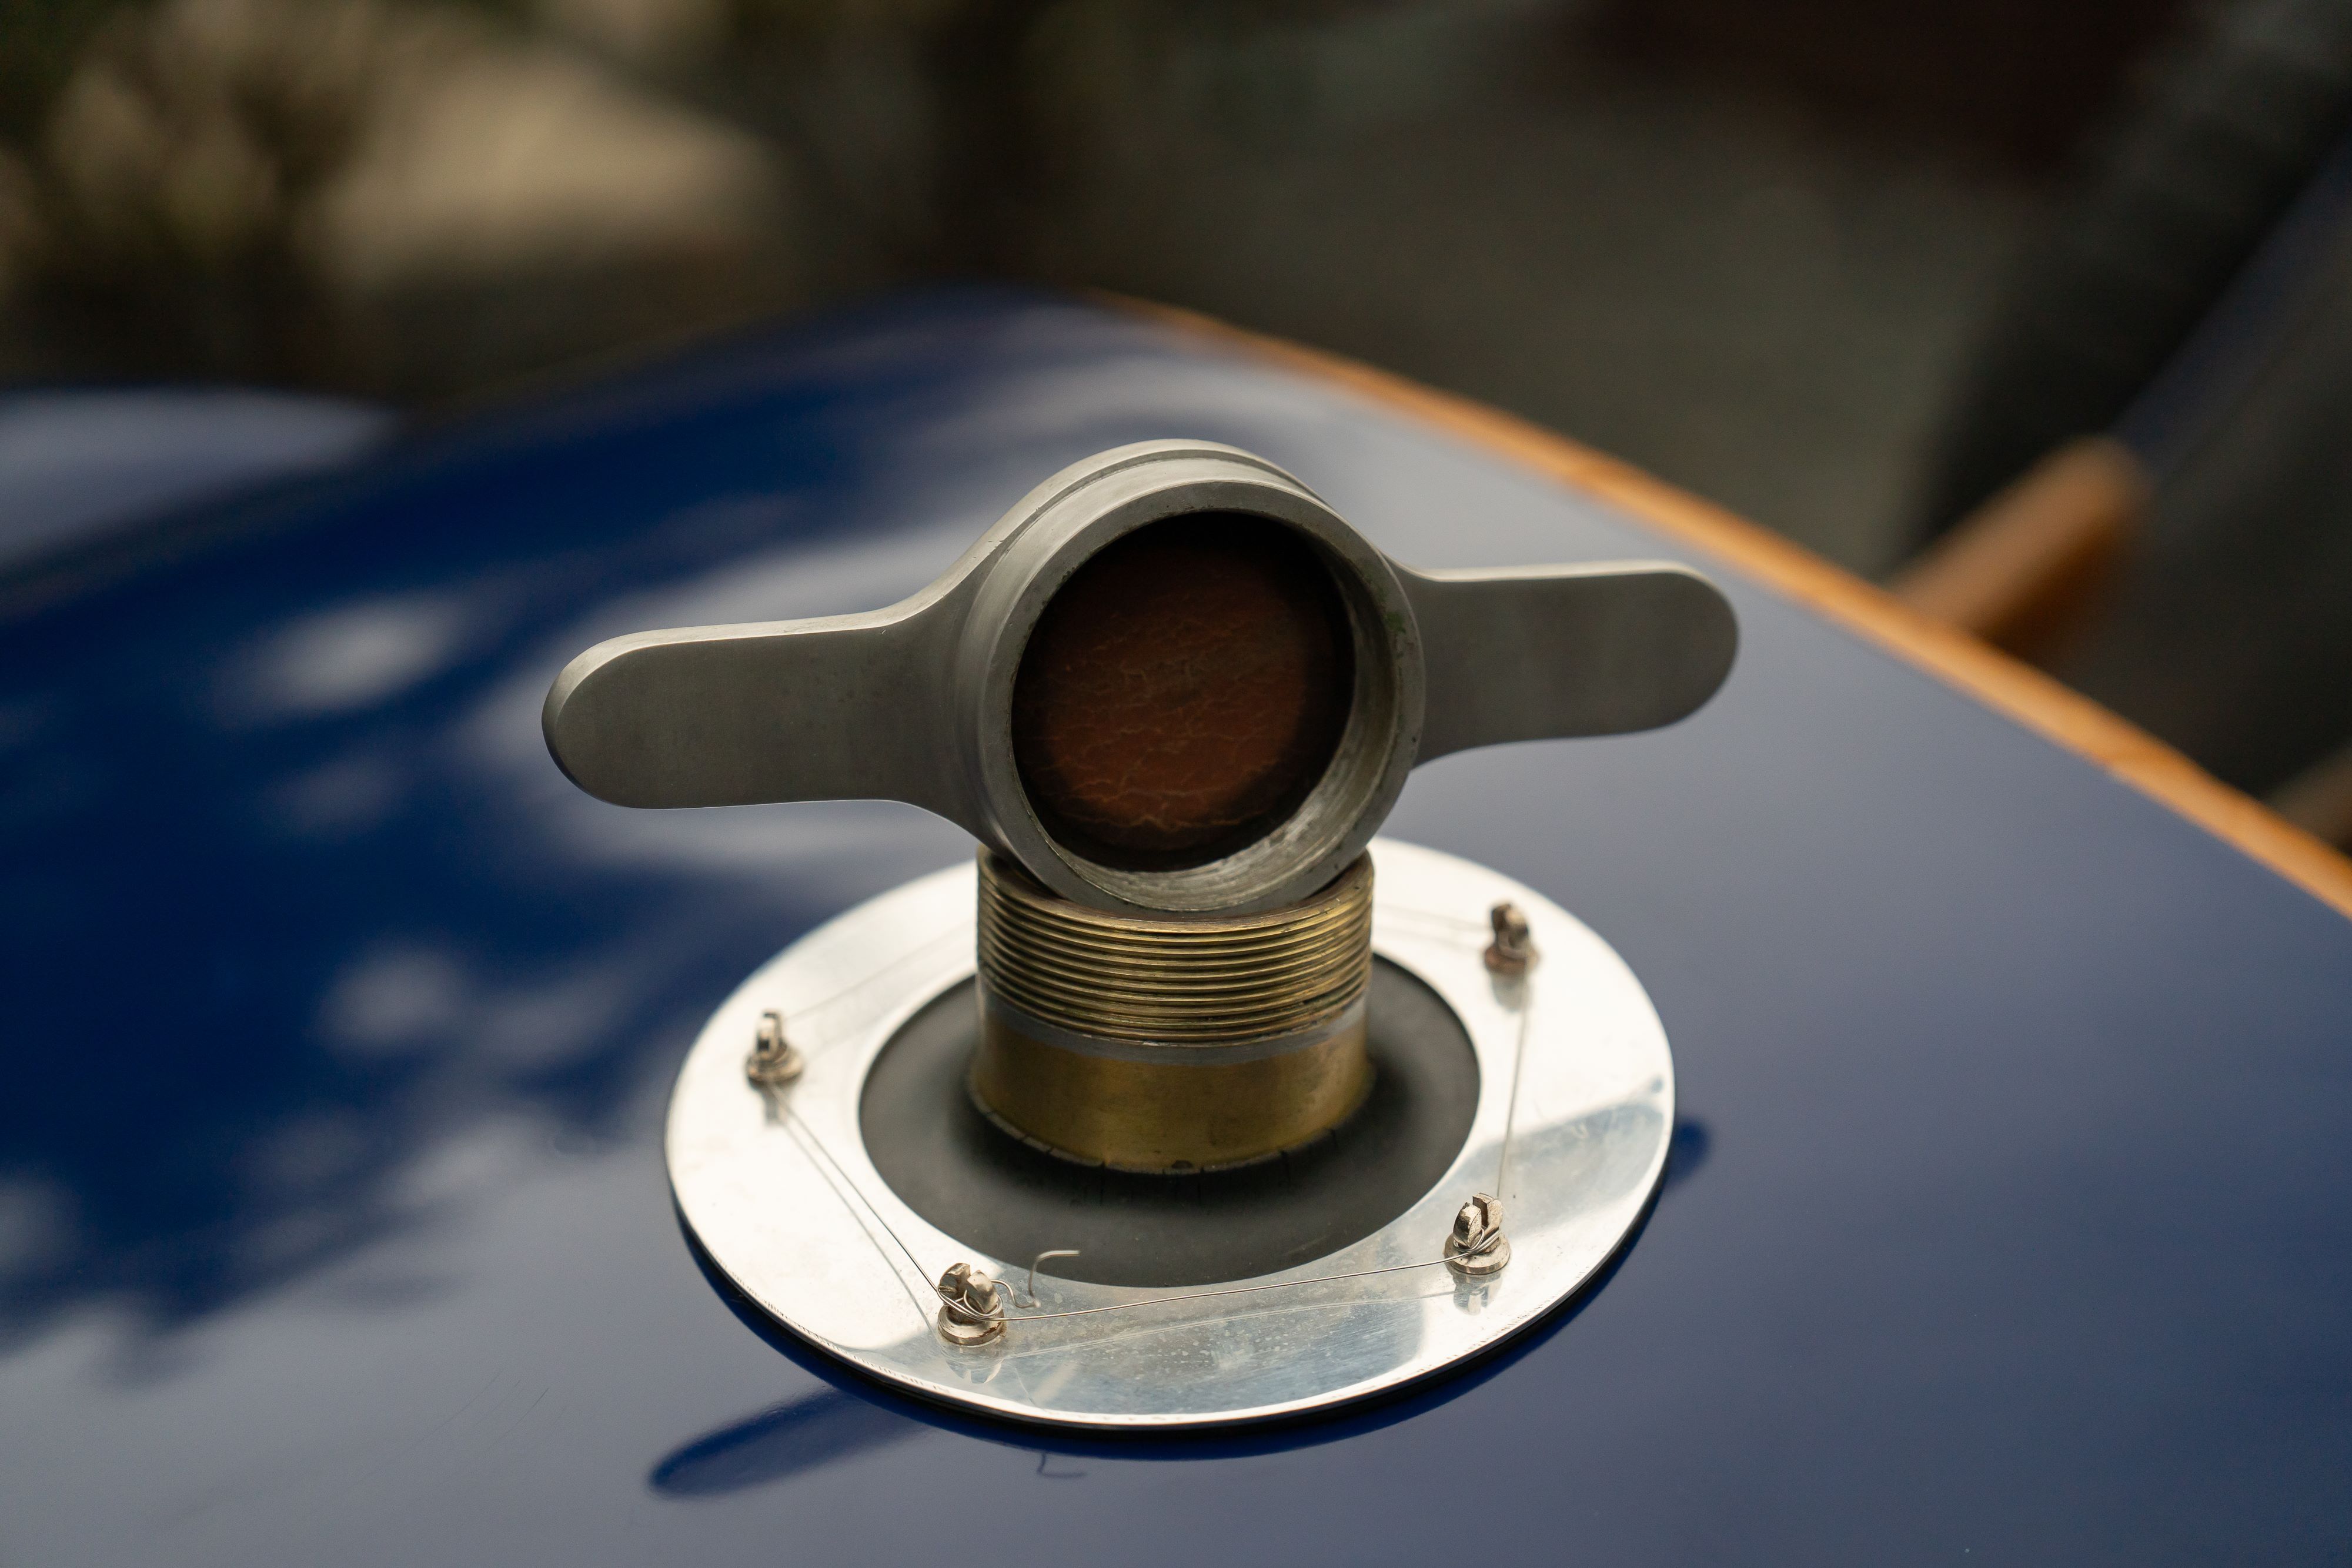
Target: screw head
(1513, 950)
(1477, 1248)
(971, 1306)
(774, 1061)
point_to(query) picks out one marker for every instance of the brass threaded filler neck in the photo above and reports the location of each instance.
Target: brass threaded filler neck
(1168, 1044)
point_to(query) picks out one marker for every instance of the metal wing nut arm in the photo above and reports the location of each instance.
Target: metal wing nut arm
(1559, 651)
(914, 703)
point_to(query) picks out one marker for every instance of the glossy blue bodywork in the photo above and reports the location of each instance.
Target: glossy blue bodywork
(2011, 1218)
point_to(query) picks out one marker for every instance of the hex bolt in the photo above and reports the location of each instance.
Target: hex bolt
(1477, 1248)
(971, 1306)
(1513, 950)
(773, 1062)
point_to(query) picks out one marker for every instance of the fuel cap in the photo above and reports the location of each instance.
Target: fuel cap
(1182, 1029)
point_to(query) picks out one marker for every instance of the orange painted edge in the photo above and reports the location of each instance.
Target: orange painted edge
(2022, 694)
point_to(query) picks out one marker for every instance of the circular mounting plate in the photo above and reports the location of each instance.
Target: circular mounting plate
(777, 1185)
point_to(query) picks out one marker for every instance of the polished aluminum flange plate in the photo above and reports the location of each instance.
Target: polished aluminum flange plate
(1574, 1076)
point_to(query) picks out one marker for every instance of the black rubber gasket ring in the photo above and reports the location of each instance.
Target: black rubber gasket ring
(1002, 1198)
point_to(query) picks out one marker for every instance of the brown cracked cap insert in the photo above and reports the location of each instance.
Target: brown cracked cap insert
(1184, 692)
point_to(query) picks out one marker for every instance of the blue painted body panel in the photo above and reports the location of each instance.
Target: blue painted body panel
(2012, 1219)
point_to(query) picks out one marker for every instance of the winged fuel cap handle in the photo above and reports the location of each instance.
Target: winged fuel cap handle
(1170, 679)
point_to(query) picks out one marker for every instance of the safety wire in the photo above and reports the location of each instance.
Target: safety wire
(809, 1140)
(1524, 1002)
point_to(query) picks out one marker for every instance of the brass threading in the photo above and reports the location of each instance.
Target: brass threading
(1224, 981)
(1164, 1045)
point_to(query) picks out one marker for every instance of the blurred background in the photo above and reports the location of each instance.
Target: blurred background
(2039, 314)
